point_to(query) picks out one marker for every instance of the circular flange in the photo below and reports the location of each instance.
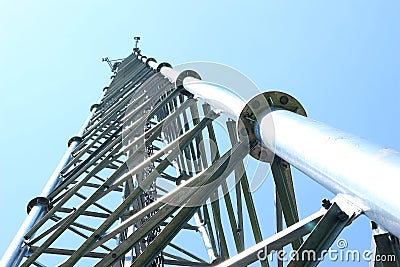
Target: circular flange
(151, 59)
(143, 57)
(74, 139)
(105, 88)
(183, 75)
(38, 200)
(261, 104)
(285, 101)
(94, 106)
(163, 64)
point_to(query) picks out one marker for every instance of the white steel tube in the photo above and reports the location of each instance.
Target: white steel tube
(218, 96)
(16, 251)
(343, 163)
(365, 173)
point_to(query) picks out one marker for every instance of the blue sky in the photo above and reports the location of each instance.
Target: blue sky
(340, 59)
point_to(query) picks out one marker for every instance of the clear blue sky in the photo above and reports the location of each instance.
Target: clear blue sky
(341, 59)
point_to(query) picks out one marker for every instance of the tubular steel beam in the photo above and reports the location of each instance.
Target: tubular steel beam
(261, 250)
(16, 251)
(324, 153)
(59, 251)
(179, 143)
(275, 122)
(386, 251)
(181, 194)
(328, 156)
(251, 209)
(311, 252)
(225, 192)
(284, 187)
(183, 141)
(117, 143)
(223, 168)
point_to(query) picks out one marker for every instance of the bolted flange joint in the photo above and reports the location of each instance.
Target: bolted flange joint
(74, 139)
(163, 64)
(184, 74)
(256, 108)
(94, 106)
(151, 59)
(38, 201)
(181, 77)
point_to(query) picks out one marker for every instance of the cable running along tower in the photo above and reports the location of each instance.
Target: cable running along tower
(144, 182)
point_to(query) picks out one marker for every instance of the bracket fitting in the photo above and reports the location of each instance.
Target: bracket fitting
(74, 139)
(260, 105)
(38, 200)
(163, 64)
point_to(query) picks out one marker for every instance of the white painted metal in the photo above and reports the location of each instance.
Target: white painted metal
(16, 251)
(342, 163)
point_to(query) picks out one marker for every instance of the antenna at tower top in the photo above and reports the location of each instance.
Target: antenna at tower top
(137, 39)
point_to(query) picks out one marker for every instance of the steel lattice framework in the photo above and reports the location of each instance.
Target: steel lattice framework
(145, 180)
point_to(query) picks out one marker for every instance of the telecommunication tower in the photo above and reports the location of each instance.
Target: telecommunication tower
(144, 182)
